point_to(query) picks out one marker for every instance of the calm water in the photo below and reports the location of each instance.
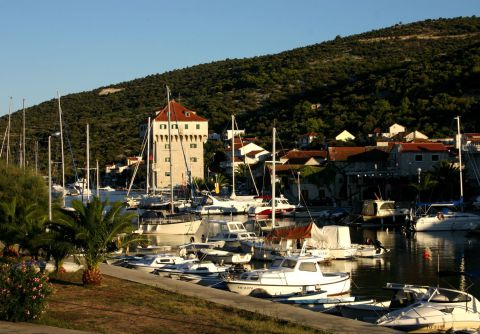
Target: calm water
(451, 251)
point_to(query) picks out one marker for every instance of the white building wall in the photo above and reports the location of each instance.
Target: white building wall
(186, 148)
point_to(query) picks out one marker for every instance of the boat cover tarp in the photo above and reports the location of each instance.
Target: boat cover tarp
(330, 237)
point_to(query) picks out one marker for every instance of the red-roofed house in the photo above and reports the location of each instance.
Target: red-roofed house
(188, 132)
(413, 158)
(306, 139)
(304, 157)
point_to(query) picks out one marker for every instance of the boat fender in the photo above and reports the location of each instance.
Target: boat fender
(427, 254)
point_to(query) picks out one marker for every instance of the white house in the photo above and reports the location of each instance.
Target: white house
(395, 129)
(244, 153)
(345, 136)
(415, 135)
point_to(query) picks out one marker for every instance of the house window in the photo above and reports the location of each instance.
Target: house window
(167, 159)
(167, 146)
(193, 145)
(435, 157)
(186, 126)
(167, 173)
(174, 126)
(418, 157)
(197, 126)
(163, 126)
(193, 159)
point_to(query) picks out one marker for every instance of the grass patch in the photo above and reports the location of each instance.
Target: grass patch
(119, 306)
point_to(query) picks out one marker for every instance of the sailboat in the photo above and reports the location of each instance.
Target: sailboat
(235, 204)
(274, 206)
(167, 221)
(444, 216)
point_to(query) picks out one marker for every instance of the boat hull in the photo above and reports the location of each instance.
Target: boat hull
(332, 288)
(179, 228)
(461, 222)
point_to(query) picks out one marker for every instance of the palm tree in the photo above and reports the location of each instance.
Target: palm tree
(94, 226)
(22, 226)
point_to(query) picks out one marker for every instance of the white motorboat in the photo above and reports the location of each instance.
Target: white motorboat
(106, 189)
(369, 250)
(288, 275)
(441, 310)
(221, 256)
(402, 295)
(200, 268)
(379, 211)
(149, 263)
(327, 304)
(157, 222)
(282, 208)
(217, 205)
(231, 231)
(443, 217)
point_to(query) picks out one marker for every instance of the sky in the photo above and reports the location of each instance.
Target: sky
(72, 46)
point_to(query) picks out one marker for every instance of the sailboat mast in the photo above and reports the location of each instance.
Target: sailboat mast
(88, 162)
(8, 127)
(50, 178)
(274, 135)
(233, 195)
(24, 142)
(459, 143)
(61, 147)
(170, 149)
(147, 188)
(98, 181)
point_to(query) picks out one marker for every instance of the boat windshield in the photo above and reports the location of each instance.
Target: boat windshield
(276, 263)
(288, 263)
(447, 296)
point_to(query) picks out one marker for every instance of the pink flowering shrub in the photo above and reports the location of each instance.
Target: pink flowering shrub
(23, 292)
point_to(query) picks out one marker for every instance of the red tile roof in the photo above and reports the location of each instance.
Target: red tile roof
(343, 153)
(305, 154)
(179, 113)
(422, 147)
(472, 137)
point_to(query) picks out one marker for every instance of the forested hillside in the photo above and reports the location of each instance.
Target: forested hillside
(420, 75)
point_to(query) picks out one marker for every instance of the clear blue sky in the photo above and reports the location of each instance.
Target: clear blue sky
(74, 46)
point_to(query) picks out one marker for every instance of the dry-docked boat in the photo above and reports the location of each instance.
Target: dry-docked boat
(292, 274)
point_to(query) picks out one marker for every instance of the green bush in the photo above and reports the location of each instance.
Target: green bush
(23, 292)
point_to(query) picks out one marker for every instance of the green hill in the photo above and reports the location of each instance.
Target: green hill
(420, 75)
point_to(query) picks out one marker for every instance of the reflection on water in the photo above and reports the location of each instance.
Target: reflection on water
(405, 263)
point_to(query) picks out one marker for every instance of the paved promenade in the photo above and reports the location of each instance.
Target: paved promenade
(326, 322)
